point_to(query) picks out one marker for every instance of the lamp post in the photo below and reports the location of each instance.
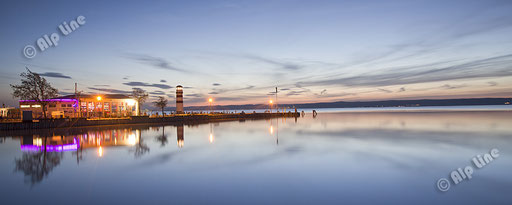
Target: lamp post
(210, 100)
(101, 105)
(270, 104)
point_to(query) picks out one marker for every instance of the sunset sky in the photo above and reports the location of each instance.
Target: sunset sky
(238, 51)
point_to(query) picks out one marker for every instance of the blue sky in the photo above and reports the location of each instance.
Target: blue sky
(238, 51)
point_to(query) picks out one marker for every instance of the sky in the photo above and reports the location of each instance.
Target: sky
(237, 52)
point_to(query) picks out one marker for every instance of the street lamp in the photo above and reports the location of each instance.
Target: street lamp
(101, 105)
(210, 100)
(270, 103)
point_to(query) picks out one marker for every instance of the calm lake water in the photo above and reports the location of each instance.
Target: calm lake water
(334, 158)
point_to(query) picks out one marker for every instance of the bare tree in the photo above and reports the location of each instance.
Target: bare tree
(141, 148)
(36, 166)
(141, 96)
(161, 103)
(162, 138)
(34, 87)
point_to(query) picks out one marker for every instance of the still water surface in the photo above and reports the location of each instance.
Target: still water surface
(335, 158)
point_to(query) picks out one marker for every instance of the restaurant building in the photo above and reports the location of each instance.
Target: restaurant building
(90, 106)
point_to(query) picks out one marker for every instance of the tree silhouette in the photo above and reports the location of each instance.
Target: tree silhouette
(141, 96)
(141, 148)
(36, 166)
(34, 87)
(162, 138)
(161, 102)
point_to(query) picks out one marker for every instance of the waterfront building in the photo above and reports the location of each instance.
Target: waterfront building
(4, 111)
(105, 105)
(179, 99)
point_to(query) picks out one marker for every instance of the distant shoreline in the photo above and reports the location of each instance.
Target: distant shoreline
(361, 104)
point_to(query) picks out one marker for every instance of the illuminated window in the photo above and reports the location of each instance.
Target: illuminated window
(36, 105)
(24, 106)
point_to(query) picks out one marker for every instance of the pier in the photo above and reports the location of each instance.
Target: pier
(180, 118)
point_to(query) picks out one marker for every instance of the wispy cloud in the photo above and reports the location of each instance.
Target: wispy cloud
(219, 91)
(158, 92)
(384, 90)
(492, 83)
(279, 63)
(156, 62)
(137, 84)
(216, 84)
(498, 66)
(113, 91)
(54, 75)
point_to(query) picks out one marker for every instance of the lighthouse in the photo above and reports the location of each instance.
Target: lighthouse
(179, 99)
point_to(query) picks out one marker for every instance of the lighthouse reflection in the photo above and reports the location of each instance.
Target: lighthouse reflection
(179, 136)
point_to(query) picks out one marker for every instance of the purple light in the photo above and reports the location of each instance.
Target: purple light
(52, 148)
(52, 100)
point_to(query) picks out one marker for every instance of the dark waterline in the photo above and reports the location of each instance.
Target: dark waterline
(335, 158)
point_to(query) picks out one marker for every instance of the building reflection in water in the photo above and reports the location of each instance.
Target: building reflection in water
(91, 139)
(41, 154)
(180, 137)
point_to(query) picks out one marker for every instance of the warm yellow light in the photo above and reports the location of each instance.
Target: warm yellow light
(271, 130)
(131, 102)
(180, 143)
(100, 152)
(38, 141)
(210, 100)
(211, 138)
(131, 139)
(98, 98)
(270, 101)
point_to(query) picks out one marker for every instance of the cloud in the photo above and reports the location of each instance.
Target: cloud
(54, 75)
(291, 93)
(385, 90)
(323, 92)
(448, 86)
(158, 92)
(193, 95)
(156, 62)
(163, 81)
(113, 91)
(498, 66)
(492, 83)
(135, 84)
(213, 93)
(402, 89)
(102, 85)
(280, 64)
(219, 91)
(216, 84)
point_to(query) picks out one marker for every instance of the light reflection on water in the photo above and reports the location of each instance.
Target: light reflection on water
(349, 158)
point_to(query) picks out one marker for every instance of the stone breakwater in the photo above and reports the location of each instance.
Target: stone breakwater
(82, 122)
